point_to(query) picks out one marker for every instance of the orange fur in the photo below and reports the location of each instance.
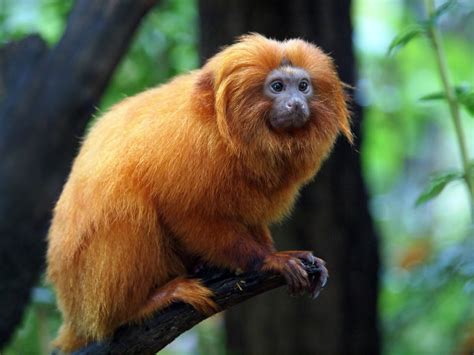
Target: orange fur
(182, 172)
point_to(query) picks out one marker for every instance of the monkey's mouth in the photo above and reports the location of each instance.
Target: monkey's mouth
(290, 121)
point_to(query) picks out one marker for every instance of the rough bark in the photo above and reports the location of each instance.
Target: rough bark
(47, 98)
(155, 333)
(331, 217)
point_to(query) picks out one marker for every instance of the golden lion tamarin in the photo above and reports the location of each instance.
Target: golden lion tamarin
(192, 172)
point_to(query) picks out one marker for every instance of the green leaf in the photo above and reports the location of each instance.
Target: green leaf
(436, 184)
(464, 96)
(433, 96)
(403, 38)
(442, 9)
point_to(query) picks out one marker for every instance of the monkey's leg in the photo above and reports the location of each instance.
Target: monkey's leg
(189, 291)
(113, 274)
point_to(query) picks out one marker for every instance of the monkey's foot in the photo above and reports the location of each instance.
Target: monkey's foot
(189, 291)
(289, 264)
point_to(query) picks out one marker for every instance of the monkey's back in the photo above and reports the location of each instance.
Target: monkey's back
(107, 249)
(131, 152)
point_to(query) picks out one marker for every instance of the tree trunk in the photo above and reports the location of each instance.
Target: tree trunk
(331, 216)
(47, 98)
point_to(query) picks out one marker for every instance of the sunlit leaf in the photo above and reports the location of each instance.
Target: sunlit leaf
(464, 95)
(436, 184)
(416, 254)
(403, 38)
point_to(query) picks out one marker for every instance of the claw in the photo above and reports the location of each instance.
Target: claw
(324, 280)
(319, 283)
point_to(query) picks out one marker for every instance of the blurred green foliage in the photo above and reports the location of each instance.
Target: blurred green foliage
(21, 18)
(165, 45)
(427, 291)
(428, 278)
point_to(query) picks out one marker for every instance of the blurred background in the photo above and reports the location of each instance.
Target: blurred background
(391, 215)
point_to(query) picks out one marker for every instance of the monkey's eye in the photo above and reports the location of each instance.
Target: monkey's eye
(303, 85)
(277, 86)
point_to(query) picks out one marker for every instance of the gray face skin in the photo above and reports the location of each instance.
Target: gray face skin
(290, 90)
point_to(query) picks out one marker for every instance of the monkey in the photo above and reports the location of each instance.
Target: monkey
(192, 172)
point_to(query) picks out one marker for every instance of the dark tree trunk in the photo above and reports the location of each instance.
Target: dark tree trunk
(331, 216)
(47, 98)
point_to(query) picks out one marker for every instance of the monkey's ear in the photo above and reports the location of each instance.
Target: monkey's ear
(203, 97)
(223, 111)
(205, 81)
(211, 102)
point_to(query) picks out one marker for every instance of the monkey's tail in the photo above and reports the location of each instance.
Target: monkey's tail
(68, 340)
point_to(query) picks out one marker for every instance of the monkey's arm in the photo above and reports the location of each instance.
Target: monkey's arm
(155, 333)
(237, 247)
(225, 243)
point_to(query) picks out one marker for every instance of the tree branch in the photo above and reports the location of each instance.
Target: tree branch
(155, 333)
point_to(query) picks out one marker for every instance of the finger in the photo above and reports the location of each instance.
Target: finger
(310, 258)
(300, 273)
(294, 279)
(323, 272)
(288, 281)
(318, 283)
(304, 255)
(319, 262)
(306, 278)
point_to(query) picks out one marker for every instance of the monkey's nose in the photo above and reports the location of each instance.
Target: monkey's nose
(294, 105)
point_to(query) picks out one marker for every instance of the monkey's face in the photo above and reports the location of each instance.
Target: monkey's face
(290, 90)
(274, 97)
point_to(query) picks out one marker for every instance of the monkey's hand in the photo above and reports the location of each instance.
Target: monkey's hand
(289, 264)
